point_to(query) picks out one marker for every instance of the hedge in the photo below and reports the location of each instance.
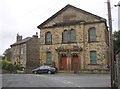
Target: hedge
(6, 65)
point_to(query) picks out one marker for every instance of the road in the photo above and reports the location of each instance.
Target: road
(55, 80)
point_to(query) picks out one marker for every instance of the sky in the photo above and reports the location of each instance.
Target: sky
(23, 16)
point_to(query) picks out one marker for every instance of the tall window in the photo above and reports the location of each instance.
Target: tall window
(21, 51)
(48, 38)
(92, 34)
(72, 35)
(93, 57)
(48, 58)
(65, 36)
(69, 36)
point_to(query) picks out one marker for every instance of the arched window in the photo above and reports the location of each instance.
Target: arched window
(69, 36)
(48, 38)
(72, 35)
(92, 34)
(65, 36)
(93, 57)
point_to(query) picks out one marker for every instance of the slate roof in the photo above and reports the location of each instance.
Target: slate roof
(22, 41)
(63, 9)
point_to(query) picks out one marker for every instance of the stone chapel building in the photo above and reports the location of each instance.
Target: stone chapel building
(74, 40)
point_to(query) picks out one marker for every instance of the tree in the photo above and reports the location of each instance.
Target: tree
(116, 40)
(7, 51)
(7, 54)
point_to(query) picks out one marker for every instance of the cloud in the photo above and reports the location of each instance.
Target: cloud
(23, 16)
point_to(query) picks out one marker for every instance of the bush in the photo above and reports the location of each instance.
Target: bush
(8, 66)
(5, 64)
(11, 68)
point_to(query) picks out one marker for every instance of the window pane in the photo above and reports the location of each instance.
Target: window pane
(65, 36)
(93, 57)
(68, 35)
(48, 38)
(72, 36)
(21, 50)
(48, 58)
(92, 34)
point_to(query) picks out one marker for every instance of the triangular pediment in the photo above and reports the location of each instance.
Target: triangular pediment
(70, 14)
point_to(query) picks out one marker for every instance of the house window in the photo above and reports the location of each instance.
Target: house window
(92, 34)
(69, 36)
(72, 35)
(93, 57)
(48, 38)
(48, 58)
(21, 51)
(65, 36)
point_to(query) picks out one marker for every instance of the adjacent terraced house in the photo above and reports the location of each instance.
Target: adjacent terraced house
(25, 52)
(74, 40)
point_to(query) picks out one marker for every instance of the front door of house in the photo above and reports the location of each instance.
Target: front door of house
(63, 62)
(74, 63)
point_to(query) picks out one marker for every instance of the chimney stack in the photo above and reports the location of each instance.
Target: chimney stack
(36, 36)
(18, 38)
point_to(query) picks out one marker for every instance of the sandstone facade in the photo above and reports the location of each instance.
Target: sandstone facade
(81, 22)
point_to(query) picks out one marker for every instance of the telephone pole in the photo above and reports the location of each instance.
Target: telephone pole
(111, 53)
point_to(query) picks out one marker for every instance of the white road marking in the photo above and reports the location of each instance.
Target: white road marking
(68, 82)
(64, 82)
(53, 78)
(39, 75)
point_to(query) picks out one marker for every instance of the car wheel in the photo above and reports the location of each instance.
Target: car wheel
(53, 73)
(49, 72)
(35, 72)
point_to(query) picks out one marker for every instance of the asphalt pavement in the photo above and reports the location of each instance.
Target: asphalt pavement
(56, 80)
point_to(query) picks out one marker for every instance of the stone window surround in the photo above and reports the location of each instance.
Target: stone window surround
(46, 39)
(69, 40)
(95, 59)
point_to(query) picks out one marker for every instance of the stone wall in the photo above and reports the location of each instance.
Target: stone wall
(32, 54)
(100, 45)
(71, 14)
(17, 57)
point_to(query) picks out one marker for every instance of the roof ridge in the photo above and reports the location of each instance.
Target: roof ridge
(22, 41)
